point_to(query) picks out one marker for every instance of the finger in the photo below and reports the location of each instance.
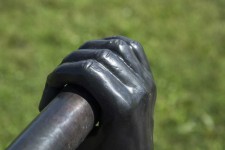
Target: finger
(136, 47)
(119, 47)
(139, 52)
(49, 93)
(90, 74)
(110, 60)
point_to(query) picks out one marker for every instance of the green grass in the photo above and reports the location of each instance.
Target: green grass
(184, 41)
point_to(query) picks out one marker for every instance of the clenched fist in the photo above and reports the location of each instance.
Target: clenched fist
(115, 71)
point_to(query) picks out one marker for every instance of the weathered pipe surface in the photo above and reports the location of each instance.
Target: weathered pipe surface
(62, 125)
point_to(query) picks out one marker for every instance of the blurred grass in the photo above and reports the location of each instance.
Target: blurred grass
(184, 41)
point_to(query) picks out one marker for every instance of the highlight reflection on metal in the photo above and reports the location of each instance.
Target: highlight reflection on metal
(63, 124)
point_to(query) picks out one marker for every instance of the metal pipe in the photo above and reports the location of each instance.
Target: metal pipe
(63, 124)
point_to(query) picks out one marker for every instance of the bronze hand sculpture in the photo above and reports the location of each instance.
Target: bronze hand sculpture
(115, 71)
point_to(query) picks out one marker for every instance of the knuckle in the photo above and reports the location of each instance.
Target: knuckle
(88, 64)
(141, 90)
(136, 45)
(118, 43)
(104, 54)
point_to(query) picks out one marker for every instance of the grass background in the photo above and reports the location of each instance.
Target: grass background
(183, 39)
